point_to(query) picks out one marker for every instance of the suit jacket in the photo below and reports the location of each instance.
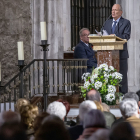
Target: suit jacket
(135, 122)
(75, 131)
(84, 51)
(122, 30)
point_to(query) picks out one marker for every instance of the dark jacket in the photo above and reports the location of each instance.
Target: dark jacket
(122, 30)
(84, 51)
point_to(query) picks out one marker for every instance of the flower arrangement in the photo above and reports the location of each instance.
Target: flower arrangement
(104, 79)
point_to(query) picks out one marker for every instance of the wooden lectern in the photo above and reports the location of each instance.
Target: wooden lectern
(107, 49)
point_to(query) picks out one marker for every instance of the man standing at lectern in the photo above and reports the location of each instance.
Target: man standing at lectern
(122, 28)
(84, 50)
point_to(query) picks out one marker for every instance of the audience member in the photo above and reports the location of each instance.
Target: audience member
(66, 104)
(52, 129)
(38, 120)
(122, 131)
(105, 107)
(94, 95)
(99, 106)
(130, 111)
(101, 134)
(12, 131)
(93, 121)
(138, 93)
(130, 95)
(21, 102)
(28, 114)
(57, 108)
(84, 107)
(9, 117)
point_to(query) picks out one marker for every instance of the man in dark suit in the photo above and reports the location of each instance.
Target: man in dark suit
(84, 50)
(122, 28)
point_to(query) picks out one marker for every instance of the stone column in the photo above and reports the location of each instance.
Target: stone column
(131, 11)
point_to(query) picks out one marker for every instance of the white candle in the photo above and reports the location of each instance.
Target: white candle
(43, 31)
(20, 50)
(0, 71)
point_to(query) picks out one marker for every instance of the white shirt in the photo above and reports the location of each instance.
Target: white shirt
(115, 20)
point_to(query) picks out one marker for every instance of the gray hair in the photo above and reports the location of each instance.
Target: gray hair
(95, 96)
(128, 107)
(120, 6)
(84, 107)
(101, 134)
(81, 31)
(57, 108)
(9, 117)
(94, 118)
(131, 95)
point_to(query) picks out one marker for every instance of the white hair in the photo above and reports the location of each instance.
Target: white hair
(9, 117)
(57, 108)
(128, 107)
(84, 107)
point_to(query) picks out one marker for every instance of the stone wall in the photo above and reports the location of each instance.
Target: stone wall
(15, 25)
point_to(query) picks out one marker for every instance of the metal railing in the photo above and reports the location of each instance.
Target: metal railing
(63, 76)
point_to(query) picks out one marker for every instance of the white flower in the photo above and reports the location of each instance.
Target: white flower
(85, 75)
(98, 85)
(94, 76)
(104, 66)
(86, 84)
(111, 68)
(117, 75)
(106, 80)
(110, 97)
(111, 89)
(106, 75)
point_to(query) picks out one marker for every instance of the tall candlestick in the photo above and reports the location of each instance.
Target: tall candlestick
(20, 50)
(0, 71)
(43, 31)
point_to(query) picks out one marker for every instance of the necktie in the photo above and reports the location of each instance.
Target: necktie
(114, 26)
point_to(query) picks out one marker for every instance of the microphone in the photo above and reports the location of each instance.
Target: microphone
(104, 24)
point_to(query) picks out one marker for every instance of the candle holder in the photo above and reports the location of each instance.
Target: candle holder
(44, 45)
(21, 64)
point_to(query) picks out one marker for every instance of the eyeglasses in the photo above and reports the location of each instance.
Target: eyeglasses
(85, 34)
(115, 10)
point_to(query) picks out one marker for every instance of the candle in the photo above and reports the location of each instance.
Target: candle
(0, 71)
(20, 50)
(43, 31)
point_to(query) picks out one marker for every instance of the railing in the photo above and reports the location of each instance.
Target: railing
(63, 76)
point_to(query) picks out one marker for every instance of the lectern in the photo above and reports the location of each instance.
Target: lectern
(107, 49)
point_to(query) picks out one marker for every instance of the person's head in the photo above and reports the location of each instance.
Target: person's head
(9, 117)
(101, 134)
(122, 131)
(84, 33)
(38, 120)
(21, 102)
(129, 108)
(84, 107)
(94, 118)
(117, 11)
(52, 130)
(52, 117)
(131, 95)
(12, 131)
(99, 106)
(105, 107)
(57, 108)
(28, 114)
(94, 95)
(138, 93)
(66, 104)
